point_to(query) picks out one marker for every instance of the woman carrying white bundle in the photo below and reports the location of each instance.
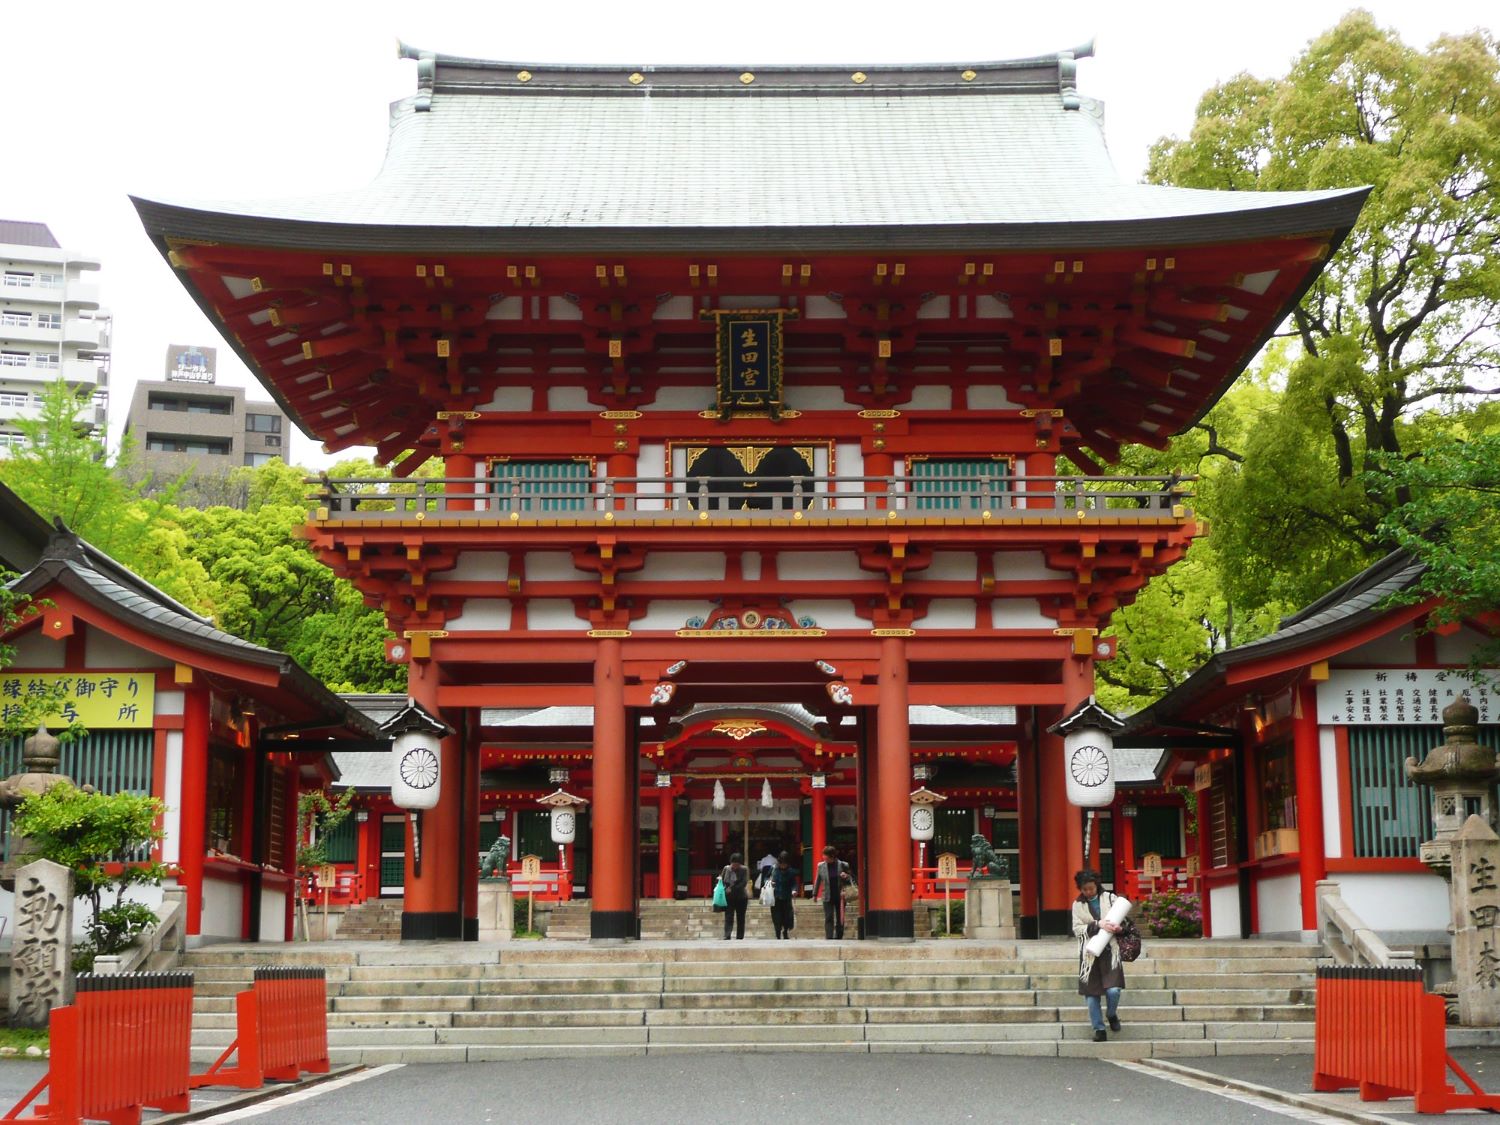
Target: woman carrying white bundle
(1101, 975)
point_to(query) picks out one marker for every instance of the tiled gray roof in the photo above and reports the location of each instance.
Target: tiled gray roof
(20, 232)
(502, 162)
(1137, 766)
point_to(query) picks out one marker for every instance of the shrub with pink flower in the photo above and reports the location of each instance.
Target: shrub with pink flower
(1170, 914)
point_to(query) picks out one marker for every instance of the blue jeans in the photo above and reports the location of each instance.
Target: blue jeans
(1112, 995)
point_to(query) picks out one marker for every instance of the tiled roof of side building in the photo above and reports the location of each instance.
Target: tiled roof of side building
(19, 232)
(684, 158)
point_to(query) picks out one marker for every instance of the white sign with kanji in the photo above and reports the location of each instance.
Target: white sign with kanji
(1394, 696)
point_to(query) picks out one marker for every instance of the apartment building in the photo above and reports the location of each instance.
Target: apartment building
(51, 326)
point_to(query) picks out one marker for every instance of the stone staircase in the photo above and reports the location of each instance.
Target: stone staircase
(375, 919)
(467, 1002)
(695, 920)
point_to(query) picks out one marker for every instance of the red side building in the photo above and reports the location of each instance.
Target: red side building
(775, 410)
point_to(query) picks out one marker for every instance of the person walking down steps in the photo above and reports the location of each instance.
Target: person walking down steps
(1105, 977)
(829, 884)
(736, 878)
(786, 883)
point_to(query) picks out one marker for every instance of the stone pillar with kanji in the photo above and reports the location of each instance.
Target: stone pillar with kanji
(41, 969)
(1476, 923)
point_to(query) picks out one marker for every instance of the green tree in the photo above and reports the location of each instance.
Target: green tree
(317, 819)
(98, 836)
(1403, 320)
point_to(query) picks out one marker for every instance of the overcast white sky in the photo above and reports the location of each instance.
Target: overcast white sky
(253, 100)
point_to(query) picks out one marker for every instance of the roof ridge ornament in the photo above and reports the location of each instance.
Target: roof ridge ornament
(426, 73)
(1067, 73)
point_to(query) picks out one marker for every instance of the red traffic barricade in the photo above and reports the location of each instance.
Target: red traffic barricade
(281, 1030)
(122, 1045)
(1378, 1030)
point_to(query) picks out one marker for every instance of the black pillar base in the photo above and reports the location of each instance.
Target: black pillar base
(471, 929)
(889, 925)
(441, 925)
(613, 925)
(1027, 928)
(1057, 923)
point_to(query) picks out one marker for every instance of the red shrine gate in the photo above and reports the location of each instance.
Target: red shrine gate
(733, 420)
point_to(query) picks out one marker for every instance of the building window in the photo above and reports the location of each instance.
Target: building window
(1276, 771)
(15, 359)
(225, 789)
(15, 279)
(14, 400)
(11, 441)
(46, 359)
(11, 319)
(273, 441)
(954, 485)
(544, 486)
(158, 402)
(256, 460)
(187, 445)
(49, 320)
(263, 423)
(49, 280)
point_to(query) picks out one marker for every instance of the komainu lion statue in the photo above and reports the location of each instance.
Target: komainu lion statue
(986, 862)
(493, 865)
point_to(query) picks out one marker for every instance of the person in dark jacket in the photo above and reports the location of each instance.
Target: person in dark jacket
(786, 883)
(736, 878)
(1101, 977)
(828, 884)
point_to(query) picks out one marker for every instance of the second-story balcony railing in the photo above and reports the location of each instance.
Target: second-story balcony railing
(978, 498)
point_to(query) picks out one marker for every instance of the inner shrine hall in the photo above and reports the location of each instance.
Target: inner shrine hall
(751, 436)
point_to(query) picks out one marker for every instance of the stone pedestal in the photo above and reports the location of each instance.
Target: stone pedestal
(988, 910)
(497, 919)
(1476, 923)
(41, 956)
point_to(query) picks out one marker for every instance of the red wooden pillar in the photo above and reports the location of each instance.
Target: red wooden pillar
(460, 465)
(819, 823)
(890, 917)
(666, 877)
(1125, 863)
(612, 917)
(364, 856)
(1312, 862)
(432, 907)
(193, 815)
(1028, 805)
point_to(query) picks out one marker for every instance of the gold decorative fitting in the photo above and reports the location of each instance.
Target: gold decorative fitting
(739, 729)
(986, 515)
(893, 632)
(626, 414)
(609, 517)
(637, 78)
(524, 76)
(621, 445)
(878, 414)
(968, 76)
(858, 77)
(747, 78)
(878, 443)
(515, 515)
(607, 634)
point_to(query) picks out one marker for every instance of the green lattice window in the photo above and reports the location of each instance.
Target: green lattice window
(544, 486)
(1391, 815)
(1158, 828)
(343, 841)
(957, 485)
(112, 761)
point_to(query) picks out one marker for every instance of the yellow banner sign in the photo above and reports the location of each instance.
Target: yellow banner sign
(99, 700)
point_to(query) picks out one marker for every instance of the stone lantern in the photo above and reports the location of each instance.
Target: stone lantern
(1462, 775)
(40, 756)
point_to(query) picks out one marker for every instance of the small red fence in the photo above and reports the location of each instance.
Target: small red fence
(123, 1044)
(1379, 1030)
(281, 1030)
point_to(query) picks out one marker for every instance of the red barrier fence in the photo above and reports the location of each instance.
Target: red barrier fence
(123, 1044)
(281, 1029)
(1379, 1030)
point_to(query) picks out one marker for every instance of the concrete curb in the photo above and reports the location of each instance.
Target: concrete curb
(1301, 1101)
(253, 1096)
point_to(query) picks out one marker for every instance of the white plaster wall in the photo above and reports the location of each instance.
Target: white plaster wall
(480, 566)
(680, 567)
(929, 398)
(750, 566)
(560, 308)
(151, 896)
(1399, 647)
(171, 844)
(273, 914)
(552, 613)
(825, 566)
(552, 566)
(679, 398)
(105, 650)
(560, 399)
(951, 566)
(828, 614)
(506, 308)
(1328, 770)
(822, 308)
(948, 613)
(170, 702)
(850, 464)
(1022, 566)
(651, 462)
(1457, 648)
(1019, 613)
(508, 400)
(1397, 900)
(482, 614)
(935, 308)
(1224, 911)
(1278, 905)
(223, 903)
(987, 307)
(35, 651)
(670, 615)
(674, 308)
(989, 398)
(814, 398)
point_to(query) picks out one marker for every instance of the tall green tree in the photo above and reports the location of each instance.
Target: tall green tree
(1403, 320)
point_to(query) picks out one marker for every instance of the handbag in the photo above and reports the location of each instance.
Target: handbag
(721, 900)
(1129, 939)
(768, 892)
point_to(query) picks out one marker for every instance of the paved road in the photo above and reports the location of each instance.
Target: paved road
(759, 1089)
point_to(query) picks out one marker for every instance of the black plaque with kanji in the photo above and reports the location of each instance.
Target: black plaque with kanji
(749, 362)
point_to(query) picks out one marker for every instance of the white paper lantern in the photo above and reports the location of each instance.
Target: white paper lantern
(564, 824)
(1089, 758)
(923, 822)
(416, 774)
